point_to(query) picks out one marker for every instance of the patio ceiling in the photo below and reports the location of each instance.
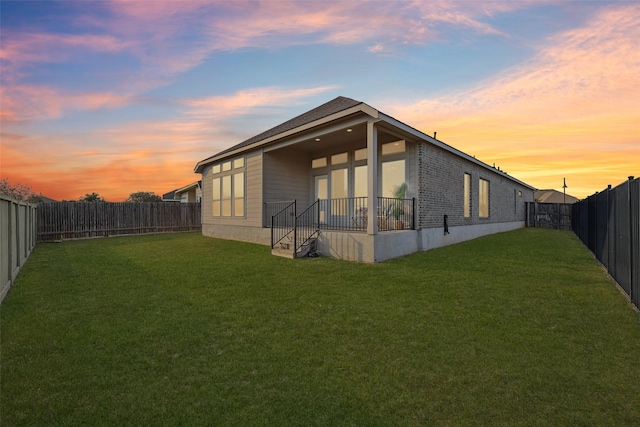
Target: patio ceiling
(344, 135)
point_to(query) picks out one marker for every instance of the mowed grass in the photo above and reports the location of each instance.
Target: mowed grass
(519, 328)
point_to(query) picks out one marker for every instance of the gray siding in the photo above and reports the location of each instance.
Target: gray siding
(286, 177)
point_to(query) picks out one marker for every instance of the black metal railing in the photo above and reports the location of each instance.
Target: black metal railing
(306, 225)
(348, 214)
(273, 208)
(396, 214)
(283, 223)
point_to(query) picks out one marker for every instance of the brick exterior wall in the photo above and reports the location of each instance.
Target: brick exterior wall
(441, 184)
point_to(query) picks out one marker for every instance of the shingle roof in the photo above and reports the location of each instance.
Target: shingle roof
(336, 105)
(554, 196)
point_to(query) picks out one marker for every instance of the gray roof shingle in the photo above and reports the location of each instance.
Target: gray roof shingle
(336, 105)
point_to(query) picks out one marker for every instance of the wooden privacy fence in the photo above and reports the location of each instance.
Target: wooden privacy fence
(549, 215)
(74, 220)
(17, 239)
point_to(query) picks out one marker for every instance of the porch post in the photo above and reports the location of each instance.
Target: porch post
(372, 178)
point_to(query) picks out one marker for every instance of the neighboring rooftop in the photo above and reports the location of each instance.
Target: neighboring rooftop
(553, 196)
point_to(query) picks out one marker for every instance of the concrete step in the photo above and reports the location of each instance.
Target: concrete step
(285, 253)
(285, 249)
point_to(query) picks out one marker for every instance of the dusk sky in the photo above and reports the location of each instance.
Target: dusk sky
(116, 97)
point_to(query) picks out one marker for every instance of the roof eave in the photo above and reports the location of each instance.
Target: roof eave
(362, 107)
(421, 135)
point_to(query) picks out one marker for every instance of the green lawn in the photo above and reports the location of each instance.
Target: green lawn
(520, 328)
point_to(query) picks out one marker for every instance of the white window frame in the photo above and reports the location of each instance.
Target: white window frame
(236, 200)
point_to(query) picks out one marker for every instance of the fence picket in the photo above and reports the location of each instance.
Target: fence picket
(69, 220)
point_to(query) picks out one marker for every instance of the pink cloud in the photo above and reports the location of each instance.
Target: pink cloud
(28, 103)
(577, 99)
(140, 156)
(244, 101)
(20, 48)
(154, 36)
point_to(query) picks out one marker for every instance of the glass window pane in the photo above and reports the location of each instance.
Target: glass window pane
(393, 148)
(226, 208)
(216, 188)
(226, 187)
(238, 163)
(339, 184)
(238, 207)
(319, 163)
(339, 190)
(216, 207)
(467, 195)
(360, 181)
(322, 189)
(392, 176)
(238, 185)
(226, 166)
(483, 198)
(215, 169)
(338, 159)
(360, 154)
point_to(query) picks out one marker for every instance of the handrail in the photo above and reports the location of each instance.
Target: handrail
(281, 225)
(273, 208)
(307, 223)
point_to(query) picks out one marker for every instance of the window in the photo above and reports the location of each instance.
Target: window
(393, 148)
(360, 181)
(360, 154)
(467, 195)
(339, 189)
(483, 198)
(319, 162)
(226, 195)
(216, 196)
(238, 194)
(227, 189)
(392, 176)
(338, 159)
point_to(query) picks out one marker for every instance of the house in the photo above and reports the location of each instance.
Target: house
(170, 197)
(188, 194)
(553, 196)
(307, 184)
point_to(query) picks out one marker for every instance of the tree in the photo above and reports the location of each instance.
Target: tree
(19, 191)
(35, 198)
(91, 198)
(144, 196)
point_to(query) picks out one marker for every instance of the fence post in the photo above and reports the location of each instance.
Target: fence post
(631, 269)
